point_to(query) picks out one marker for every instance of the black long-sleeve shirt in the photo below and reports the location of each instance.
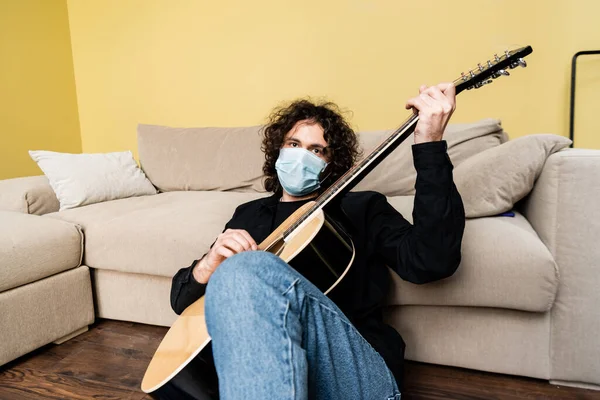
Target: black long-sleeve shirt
(426, 251)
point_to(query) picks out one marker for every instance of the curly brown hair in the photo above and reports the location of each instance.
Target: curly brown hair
(342, 142)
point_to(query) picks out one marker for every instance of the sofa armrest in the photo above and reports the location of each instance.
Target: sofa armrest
(564, 209)
(29, 195)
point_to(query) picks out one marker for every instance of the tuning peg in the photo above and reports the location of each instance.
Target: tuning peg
(480, 67)
(489, 64)
(500, 73)
(480, 84)
(519, 63)
(496, 58)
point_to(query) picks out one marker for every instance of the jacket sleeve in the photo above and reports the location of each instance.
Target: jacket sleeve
(185, 289)
(430, 248)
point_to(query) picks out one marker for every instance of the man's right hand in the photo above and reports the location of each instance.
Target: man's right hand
(228, 243)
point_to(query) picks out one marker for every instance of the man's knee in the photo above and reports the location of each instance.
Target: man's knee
(242, 266)
(245, 272)
(238, 272)
(246, 281)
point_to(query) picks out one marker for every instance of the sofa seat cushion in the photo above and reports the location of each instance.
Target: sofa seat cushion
(504, 265)
(35, 247)
(154, 235)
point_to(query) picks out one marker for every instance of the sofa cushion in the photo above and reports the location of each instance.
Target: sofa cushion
(231, 160)
(153, 235)
(492, 181)
(396, 175)
(28, 195)
(504, 265)
(228, 158)
(80, 179)
(35, 247)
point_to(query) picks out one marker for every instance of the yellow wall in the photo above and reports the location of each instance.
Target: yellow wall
(227, 63)
(562, 28)
(38, 106)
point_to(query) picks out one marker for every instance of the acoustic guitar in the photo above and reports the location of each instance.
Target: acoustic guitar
(182, 367)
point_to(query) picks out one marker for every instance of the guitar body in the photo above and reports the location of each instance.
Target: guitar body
(183, 367)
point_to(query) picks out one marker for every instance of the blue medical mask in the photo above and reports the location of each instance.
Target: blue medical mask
(298, 170)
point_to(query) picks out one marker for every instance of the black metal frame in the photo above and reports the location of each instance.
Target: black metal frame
(572, 105)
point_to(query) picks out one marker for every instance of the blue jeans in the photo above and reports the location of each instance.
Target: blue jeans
(276, 336)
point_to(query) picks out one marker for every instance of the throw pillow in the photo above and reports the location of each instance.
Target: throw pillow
(492, 181)
(396, 175)
(81, 179)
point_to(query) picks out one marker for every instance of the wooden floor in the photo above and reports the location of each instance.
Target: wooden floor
(108, 362)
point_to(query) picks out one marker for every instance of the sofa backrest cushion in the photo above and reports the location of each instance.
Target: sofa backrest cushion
(230, 159)
(223, 159)
(396, 175)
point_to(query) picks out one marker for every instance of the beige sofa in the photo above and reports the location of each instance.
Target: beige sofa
(524, 300)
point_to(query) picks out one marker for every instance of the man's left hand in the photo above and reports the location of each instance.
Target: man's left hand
(435, 105)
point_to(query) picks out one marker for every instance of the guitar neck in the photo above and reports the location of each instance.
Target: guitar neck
(357, 173)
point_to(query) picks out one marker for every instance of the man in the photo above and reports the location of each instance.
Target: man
(274, 334)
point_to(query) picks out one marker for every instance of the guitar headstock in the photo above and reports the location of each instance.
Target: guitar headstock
(492, 69)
